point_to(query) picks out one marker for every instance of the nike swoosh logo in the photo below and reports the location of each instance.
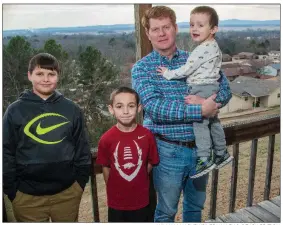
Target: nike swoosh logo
(41, 131)
(140, 137)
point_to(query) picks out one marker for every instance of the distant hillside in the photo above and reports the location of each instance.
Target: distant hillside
(119, 28)
(241, 23)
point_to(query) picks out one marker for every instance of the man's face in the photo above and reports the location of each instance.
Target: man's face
(44, 81)
(162, 34)
(125, 109)
(200, 28)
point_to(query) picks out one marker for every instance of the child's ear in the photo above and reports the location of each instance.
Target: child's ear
(29, 76)
(110, 109)
(214, 30)
(139, 108)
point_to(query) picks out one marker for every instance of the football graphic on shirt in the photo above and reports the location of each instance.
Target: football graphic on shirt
(127, 160)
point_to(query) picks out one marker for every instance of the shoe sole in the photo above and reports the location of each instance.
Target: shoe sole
(228, 160)
(203, 172)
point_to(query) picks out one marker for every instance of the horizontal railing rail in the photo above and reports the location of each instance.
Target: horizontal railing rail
(235, 133)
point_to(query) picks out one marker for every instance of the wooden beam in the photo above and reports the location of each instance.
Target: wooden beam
(238, 133)
(252, 172)
(268, 173)
(234, 178)
(254, 129)
(143, 45)
(213, 196)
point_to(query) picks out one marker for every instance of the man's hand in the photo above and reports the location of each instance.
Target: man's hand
(209, 107)
(161, 70)
(194, 99)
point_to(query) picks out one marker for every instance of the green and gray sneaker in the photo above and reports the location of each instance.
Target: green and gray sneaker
(221, 161)
(204, 166)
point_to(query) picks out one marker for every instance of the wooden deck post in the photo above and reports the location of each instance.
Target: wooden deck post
(252, 172)
(268, 175)
(144, 47)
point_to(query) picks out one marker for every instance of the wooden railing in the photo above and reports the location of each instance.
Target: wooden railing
(242, 132)
(235, 133)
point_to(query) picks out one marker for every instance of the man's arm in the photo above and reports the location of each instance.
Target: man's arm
(105, 171)
(224, 94)
(161, 109)
(82, 160)
(9, 157)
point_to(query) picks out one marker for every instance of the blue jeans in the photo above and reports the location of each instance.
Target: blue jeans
(171, 177)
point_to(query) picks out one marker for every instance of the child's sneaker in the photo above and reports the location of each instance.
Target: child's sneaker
(203, 166)
(221, 161)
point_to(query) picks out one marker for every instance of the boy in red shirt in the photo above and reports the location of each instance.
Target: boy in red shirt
(127, 152)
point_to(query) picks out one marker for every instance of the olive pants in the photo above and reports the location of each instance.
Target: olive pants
(60, 207)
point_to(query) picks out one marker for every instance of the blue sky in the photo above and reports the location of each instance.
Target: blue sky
(40, 16)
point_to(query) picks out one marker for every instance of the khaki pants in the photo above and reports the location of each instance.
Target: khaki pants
(61, 207)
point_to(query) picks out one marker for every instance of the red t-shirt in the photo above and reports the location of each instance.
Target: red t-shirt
(127, 154)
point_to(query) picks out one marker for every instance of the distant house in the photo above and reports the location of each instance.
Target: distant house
(275, 55)
(268, 71)
(250, 92)
(276, 66)
(245, 55)
(263, 56)
(226, 58)
(233, 70)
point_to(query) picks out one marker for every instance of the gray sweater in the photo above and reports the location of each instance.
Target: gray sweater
(202, 66)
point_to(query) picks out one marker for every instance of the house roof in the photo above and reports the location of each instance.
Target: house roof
(254, 87)
(236, 69)
(246, 53)
(230, 72)
(226, 56)
(274, 52)
(275, 66)
(230, 64)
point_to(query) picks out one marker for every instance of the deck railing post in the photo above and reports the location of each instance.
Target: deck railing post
(234, 177)
(213, 197)
(252, 172)
(269, 166)
(93, 184)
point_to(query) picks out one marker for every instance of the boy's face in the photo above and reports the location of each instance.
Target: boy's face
(162, 34)
(125, 109)
(44, 82)
(200, 27)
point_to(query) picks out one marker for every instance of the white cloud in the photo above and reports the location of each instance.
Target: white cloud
(36, 16)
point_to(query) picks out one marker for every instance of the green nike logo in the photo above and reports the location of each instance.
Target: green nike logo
(41, 131)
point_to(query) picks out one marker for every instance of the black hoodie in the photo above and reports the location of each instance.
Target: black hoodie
(45, 148)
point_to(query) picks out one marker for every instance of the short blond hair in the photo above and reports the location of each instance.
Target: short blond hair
(158, 12)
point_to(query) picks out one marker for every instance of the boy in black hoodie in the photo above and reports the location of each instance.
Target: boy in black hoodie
(46, 155)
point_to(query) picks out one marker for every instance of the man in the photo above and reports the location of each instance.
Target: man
(170, 118)
(46, 155)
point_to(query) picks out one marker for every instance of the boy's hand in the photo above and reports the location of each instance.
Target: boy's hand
(161, 70)
(194, 99)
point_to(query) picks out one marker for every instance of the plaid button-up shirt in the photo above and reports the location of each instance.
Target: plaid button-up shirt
(166, 112)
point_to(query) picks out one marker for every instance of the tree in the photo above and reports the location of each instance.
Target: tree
(252, 45)
(112, 42)
(16, 56)
(97, 77)
(55, 49)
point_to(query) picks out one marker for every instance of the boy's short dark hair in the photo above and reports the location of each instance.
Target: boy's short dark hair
(213, 21)
(44, 61)
(123, 90)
